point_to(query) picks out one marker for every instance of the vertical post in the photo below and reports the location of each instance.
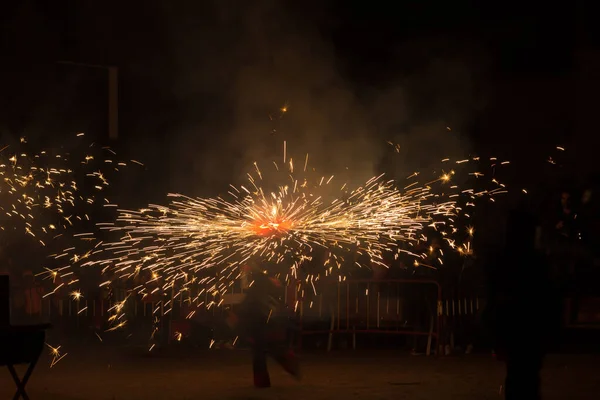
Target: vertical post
(439, 341)
(378, 304)
(429, 337)
(113, 96)
(331, 329)
(368, 306)
(113, 103)
(4, 301)
(347, 307)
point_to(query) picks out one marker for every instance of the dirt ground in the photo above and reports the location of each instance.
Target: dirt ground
(113, 375)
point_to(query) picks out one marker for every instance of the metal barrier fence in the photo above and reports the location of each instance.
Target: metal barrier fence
(394, 307)
(398, 307)
(460, 319)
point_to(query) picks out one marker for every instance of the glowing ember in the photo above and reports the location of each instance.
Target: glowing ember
(40, 192)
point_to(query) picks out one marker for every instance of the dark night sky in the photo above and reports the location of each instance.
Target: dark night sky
(198, 80)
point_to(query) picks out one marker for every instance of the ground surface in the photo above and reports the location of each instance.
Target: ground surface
(115, 375)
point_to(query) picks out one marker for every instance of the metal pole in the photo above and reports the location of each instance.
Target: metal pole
(113, 103)
(113, 95)
(4, 301)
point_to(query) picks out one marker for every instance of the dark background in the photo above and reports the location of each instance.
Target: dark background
(199, 81)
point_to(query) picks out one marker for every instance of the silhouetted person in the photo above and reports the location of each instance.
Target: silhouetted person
(566, 250)
(523, 307)
(588, 217)
(261, 321)
(566, 219)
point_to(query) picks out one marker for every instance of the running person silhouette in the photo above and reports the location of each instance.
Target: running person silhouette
(262, 321)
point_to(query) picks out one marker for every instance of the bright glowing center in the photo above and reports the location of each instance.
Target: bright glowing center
(273, 223)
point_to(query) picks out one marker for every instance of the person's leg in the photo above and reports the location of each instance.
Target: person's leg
(523, 377)
(287, 359)
(279, 349)
(259, 363)
(511, 381)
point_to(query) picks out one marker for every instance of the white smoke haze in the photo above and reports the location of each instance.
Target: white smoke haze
(216, 74)
(259, 57)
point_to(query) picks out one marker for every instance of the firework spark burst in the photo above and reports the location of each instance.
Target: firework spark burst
(205, 241)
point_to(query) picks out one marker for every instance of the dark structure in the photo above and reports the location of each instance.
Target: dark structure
(523, 307)
(18, 344)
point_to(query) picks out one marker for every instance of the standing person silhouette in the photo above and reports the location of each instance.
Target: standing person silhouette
(261, 319)
(522, 307)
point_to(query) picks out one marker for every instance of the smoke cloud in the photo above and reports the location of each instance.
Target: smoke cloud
(203, 85)
(254, 59)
